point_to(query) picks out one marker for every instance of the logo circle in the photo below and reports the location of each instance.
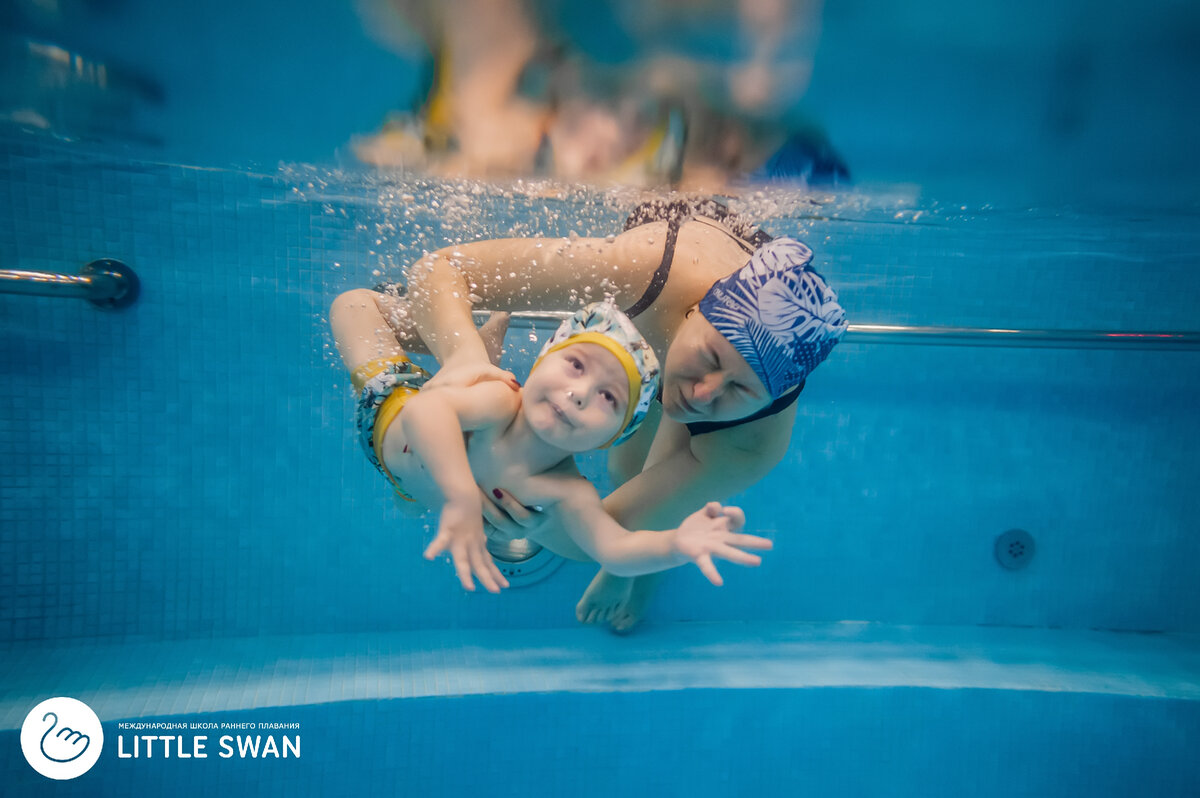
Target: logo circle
(61, 738)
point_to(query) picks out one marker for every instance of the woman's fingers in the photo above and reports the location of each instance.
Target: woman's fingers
(524, 515)
(468, 375)
(498, 517)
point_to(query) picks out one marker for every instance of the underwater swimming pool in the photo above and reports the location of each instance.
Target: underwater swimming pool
(190, 534)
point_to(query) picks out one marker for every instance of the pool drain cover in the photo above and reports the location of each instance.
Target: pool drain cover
(1014, 549)
(522, 561)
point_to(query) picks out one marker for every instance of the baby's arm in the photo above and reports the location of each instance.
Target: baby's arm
(434, 422)
(709, 532)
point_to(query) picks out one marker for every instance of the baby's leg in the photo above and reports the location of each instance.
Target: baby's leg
(395, 312)
(492, 332)
(360, 329)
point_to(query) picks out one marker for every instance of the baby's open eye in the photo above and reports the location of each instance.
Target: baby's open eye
(575, 362)
(609, 397)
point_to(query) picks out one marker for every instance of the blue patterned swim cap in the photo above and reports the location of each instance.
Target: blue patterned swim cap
(778, 313)
(605, 324)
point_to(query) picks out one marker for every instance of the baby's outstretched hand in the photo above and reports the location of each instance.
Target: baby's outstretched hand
(713, 532)
(460, 531)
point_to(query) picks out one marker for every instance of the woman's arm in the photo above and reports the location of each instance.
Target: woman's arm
(521, 274)
(682, 472)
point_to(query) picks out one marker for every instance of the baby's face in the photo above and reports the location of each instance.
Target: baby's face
(576, 398)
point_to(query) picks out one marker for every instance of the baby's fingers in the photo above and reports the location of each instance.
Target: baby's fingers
(497, 574)
(485, 570)
(436, 547)
(749, 542)
(737, 518)
(462, 566)
(737, 555)
(705, 564)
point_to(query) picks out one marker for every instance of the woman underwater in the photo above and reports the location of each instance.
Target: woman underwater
(742, 319)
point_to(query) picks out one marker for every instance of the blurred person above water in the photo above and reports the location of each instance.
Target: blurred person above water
(694, 94)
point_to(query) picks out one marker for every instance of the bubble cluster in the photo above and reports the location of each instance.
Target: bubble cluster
(395, 219)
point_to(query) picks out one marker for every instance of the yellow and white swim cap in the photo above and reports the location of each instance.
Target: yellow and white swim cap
(605, 324)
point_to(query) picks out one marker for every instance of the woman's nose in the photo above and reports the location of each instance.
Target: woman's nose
(708, 388)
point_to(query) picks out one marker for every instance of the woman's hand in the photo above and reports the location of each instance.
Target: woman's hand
(510, 517)
(464, 375)
(712, 532)
(460, 531)
(467, 366)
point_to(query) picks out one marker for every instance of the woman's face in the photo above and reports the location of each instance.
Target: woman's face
(576, 397)
(705, 379)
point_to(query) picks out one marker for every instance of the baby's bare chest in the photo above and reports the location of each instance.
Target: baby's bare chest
(494, 466)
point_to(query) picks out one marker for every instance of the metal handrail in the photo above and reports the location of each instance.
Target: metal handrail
(106, 283)
(898, 334)
(1041, 339)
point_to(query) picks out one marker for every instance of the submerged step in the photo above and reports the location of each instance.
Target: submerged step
(138, 680)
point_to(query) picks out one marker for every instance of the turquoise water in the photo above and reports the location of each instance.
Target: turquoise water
(190, 532)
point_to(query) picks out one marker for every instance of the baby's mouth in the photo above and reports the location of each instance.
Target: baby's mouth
(558, 411)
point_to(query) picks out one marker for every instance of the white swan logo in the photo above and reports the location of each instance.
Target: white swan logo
(61, 738)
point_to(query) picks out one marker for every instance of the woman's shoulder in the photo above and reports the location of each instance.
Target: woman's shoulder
(722, 241)
(704, 253)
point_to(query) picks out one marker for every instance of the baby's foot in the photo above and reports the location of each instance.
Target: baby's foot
(604, 596)
(492, 332)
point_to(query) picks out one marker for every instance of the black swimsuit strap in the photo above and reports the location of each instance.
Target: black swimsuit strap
(661, 273)
(780, 404)
(675, 213)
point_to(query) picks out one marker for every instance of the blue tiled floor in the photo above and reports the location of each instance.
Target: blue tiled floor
(191, 677)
